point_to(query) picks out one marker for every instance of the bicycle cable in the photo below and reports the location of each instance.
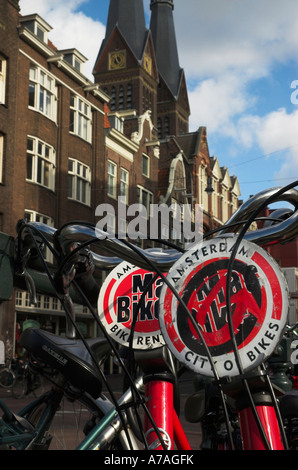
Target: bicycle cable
(229, 316)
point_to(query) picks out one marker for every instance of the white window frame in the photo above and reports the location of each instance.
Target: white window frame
(1, 157)
(42, 92)
(80, 118)
(146, 165)
(142, 194)
(3, 71)
(225, 203)
(215, 199)
(43, 163)
(79, 175)
(124, 184)
(203, 196)
(112, 179)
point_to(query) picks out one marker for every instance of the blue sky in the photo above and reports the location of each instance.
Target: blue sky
(240, 58)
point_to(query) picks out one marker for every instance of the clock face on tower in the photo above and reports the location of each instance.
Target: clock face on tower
(117, 60)
(147, 63)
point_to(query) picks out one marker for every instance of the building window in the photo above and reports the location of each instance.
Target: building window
(159, 128)
(3, 67)
(146, 166)
(124, 178)
(41, 159)
(129, 96)
(145, 198)
(33, 216)
(225, 204)
(42, 92)
(80, 118)
(46, 302)
(215, 199)
(203, 196)
(167, 126)
(1, 157)
(112, 179)
(79, 182)
(121, 97)
(113, 99)
(37, 26)
(18, 298)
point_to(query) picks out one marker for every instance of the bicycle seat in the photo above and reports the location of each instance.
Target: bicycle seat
(69, 356)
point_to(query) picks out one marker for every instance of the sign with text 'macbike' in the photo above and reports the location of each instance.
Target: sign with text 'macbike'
(128, 306)
(258, 307)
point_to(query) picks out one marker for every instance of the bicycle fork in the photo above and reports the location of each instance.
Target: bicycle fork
(259, 420)
(162, 425)
(252, 436)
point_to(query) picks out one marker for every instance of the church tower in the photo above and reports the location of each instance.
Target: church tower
(139, 68)
(172, 100)
(125, 67)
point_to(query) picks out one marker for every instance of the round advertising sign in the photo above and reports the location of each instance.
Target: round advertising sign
(258, 307)
(128, 304)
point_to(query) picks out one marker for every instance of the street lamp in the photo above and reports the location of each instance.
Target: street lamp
(209, 189)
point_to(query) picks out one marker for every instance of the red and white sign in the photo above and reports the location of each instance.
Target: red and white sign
(121, 300)
(258, 305)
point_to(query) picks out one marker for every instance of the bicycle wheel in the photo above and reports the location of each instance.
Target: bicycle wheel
(7, 378)
(20, 386)
(38, 387)
(71, 422)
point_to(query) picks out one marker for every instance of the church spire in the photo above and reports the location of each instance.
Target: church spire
(165, 44)
(129, 17)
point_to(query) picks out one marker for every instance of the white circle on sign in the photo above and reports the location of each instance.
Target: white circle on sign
(121, 300)
(258, 305)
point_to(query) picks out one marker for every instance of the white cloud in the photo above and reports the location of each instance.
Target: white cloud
(278, 130)
(224, 47)
(250, 35)
(215, 102)
(277, 136)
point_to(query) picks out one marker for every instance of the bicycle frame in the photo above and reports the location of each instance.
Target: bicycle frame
(162, 410)
(251, 436)
(162, 426)
(159, 382)
(111, 425)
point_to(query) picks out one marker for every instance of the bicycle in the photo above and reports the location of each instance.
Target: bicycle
(158, 367)
(27, 381)
(7, 375)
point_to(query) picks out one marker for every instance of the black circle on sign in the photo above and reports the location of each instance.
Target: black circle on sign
(210, 274)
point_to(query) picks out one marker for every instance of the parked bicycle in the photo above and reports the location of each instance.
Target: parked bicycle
(231, 358)
(7, 374)
(27, 381)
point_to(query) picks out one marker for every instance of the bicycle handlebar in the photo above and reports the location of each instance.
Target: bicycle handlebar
(80, 233)
(282, 232)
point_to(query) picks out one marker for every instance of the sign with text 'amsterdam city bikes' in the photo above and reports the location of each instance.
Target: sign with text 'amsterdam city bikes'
(258, 307)
(129, 293)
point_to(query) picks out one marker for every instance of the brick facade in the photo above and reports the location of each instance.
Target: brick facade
(70, 145)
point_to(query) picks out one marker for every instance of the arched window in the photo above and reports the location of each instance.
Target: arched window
(113, 99)
(129, 96)
(159, 128)
(121, 97)
(167, 126)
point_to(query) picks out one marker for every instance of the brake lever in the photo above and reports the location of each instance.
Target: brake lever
(62, 283)
(21, 270)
